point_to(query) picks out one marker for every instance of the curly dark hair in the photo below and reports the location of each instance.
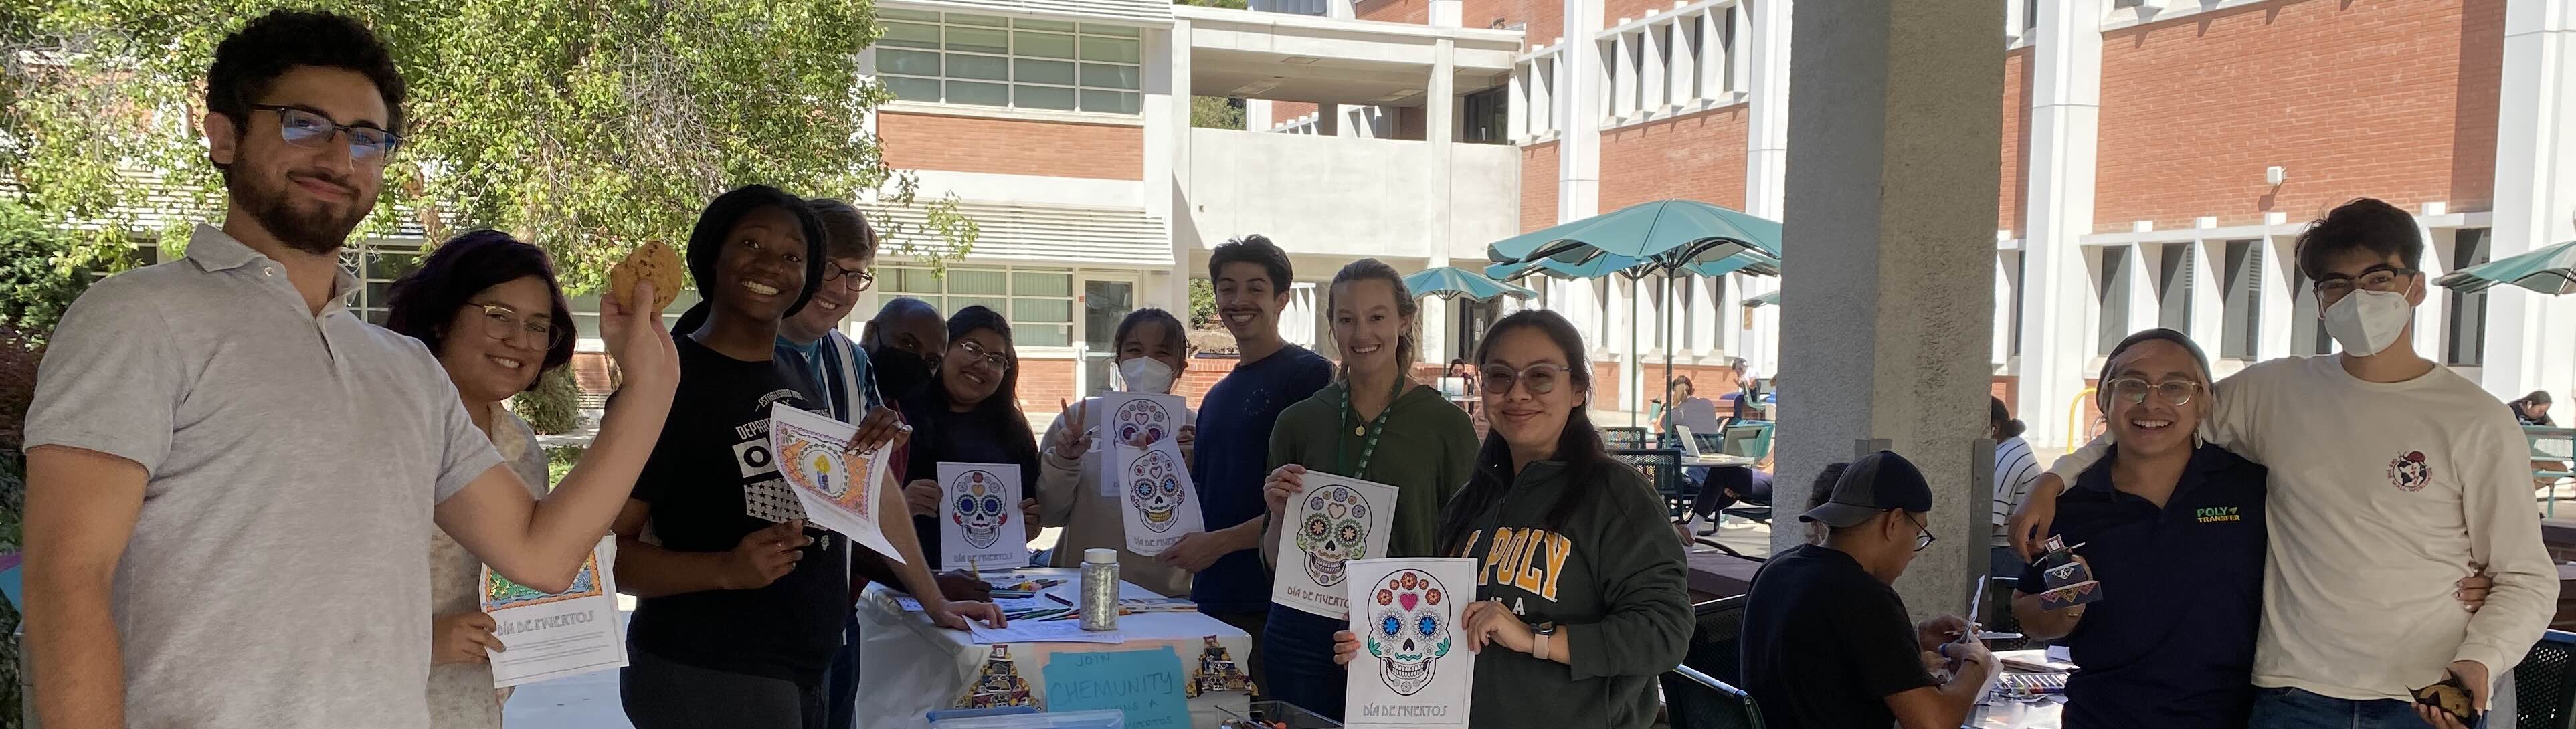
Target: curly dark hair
(2364, 224)
(1258, 250)
(249, 61)
(423, 302)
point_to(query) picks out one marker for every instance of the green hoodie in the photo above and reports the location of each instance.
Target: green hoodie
(1426, 452)
(1613, 579)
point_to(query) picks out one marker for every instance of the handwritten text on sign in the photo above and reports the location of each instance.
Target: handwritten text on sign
(1145, 684)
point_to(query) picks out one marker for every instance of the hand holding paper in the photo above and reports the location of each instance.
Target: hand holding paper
(837, 490)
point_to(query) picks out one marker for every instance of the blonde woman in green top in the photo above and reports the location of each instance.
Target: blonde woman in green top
(1374, 423)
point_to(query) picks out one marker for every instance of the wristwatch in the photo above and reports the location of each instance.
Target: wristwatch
(1541, 633)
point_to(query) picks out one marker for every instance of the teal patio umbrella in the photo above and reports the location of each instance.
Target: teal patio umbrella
(1769, 299)
(2550, 270)
(1663, 236)
(1458, 283)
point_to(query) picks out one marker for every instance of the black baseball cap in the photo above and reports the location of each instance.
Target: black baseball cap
(1875, 483)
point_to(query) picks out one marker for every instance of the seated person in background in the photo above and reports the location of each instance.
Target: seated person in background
(1826, 641)
(2532, 409)
(2015, 470)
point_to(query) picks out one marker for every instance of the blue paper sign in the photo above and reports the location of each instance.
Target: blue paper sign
(1146, 685)
(12, 581)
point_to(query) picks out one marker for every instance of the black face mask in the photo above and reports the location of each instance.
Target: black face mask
(898, 372)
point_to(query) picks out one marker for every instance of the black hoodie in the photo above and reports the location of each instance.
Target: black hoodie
(1614, 580)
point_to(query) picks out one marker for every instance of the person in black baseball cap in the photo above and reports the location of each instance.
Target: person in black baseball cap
(1827, 642)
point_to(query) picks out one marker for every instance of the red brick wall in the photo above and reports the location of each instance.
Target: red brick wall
(1045, 382)
(1538, 186)
(969, 144)
(2393, 99)
(2014, 206)
(1540, 17)
(1613, 10)
(590, 372)
(1413, 123)
(1417, 12)
(1282, 111)
(1698, 157)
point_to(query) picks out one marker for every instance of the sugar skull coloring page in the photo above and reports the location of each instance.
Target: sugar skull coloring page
(982, 525)
(1335, 520)
(1414, 669)
(1162, 506)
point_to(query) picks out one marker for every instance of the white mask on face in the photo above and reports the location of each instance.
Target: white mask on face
(2366, 322)
(1147, 375)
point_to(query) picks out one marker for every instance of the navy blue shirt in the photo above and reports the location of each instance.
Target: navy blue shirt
(1233, 457)
(2171, 643)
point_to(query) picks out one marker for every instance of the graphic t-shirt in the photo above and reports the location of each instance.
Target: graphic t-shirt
(711, 480)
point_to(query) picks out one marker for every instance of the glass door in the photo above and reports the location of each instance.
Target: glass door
(1105, 303)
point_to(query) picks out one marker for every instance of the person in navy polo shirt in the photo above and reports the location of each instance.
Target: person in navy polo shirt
(2173, 528)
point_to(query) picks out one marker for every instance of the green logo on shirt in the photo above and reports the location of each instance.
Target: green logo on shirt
(2219, 513)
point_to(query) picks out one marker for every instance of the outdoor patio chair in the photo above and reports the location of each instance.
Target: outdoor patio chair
(1699, 693)
(1663, 470)
(2545, 684)
(1623, 436)
(2550, 453)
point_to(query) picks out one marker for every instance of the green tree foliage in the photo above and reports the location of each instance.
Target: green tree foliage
(554, 408)
(1202, 303)
(1215, 112)
(42, 269)
(586, 128)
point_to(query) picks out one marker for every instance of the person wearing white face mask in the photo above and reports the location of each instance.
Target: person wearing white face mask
(2391, 477)
(1153, 349)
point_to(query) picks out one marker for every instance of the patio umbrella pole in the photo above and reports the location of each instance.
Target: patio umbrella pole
(1633, 364)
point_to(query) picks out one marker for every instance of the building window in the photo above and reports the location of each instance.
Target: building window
(2112, 291)
(1037, 301)
(2466, 342)
(2173, 297)
(377, 264)
(1487, 116)
(2242, 333)
(956, 58)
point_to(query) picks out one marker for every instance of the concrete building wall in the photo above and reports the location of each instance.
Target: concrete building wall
(1698, 157)
(1012, 146)
(1350, 197)
(2389, 98)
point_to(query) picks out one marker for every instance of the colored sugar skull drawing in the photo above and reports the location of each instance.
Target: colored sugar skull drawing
(979, 507)
(499, 592)
(1411, 634)
(1142, 419)
(1335, 531)
(1154, 488)
(820, 467)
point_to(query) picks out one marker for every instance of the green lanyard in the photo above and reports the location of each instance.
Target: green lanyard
(1377, 427)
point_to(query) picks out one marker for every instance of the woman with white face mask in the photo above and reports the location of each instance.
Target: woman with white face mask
(1153, 349)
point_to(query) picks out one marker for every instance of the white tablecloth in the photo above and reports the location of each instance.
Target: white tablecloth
(907, 667)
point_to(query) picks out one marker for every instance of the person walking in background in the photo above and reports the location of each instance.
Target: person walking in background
(1576, 639)
(2015, 470)
(489, 308)
(2372, 447)
(1374, 423)
(1153, 350)
(1827, 643)
(1251, 281)
(969, 412)
(742, 605)
(212, 435)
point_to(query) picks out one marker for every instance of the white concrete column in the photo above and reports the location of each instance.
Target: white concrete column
(1890, 207)
(1439, 129)
(1339, 9)
(1516, 121)
(1167, 155)
(1656, 94)
(2431, 336)
(1622, 76)
(1578, 114)
(1762, 38)
(1446, 14)
(1256, 115)
(2059, 308)
(1737, 32)
(2280, 298)
(2528, 347)
(2208, 298)
(1683, 64)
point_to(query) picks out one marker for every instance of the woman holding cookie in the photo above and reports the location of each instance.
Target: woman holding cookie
(742, 604)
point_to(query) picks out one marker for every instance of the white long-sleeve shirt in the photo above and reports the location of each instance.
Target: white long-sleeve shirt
(2382, 494)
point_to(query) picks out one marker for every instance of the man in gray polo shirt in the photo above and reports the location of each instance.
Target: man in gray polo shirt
(232, 477)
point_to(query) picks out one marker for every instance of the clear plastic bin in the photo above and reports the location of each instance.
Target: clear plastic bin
(1277, 715)
(1097, 719)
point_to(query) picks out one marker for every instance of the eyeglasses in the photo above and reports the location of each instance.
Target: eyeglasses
(1540, 378)
(503, 323)
(2170, 392)
(855, 281)
(305, 128)
(1923, 540)
(2378, 278)
(975, 354)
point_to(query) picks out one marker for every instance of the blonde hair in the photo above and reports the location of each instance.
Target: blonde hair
(1407, 342)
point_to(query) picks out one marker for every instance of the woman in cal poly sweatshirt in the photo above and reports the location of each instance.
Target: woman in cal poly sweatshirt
(1581, 586)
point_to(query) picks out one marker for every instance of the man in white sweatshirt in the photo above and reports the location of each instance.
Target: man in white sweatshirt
(2390, 476)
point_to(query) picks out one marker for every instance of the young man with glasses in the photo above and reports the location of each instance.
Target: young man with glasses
(1826, 640)
(2390, 478)
(231, 477)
